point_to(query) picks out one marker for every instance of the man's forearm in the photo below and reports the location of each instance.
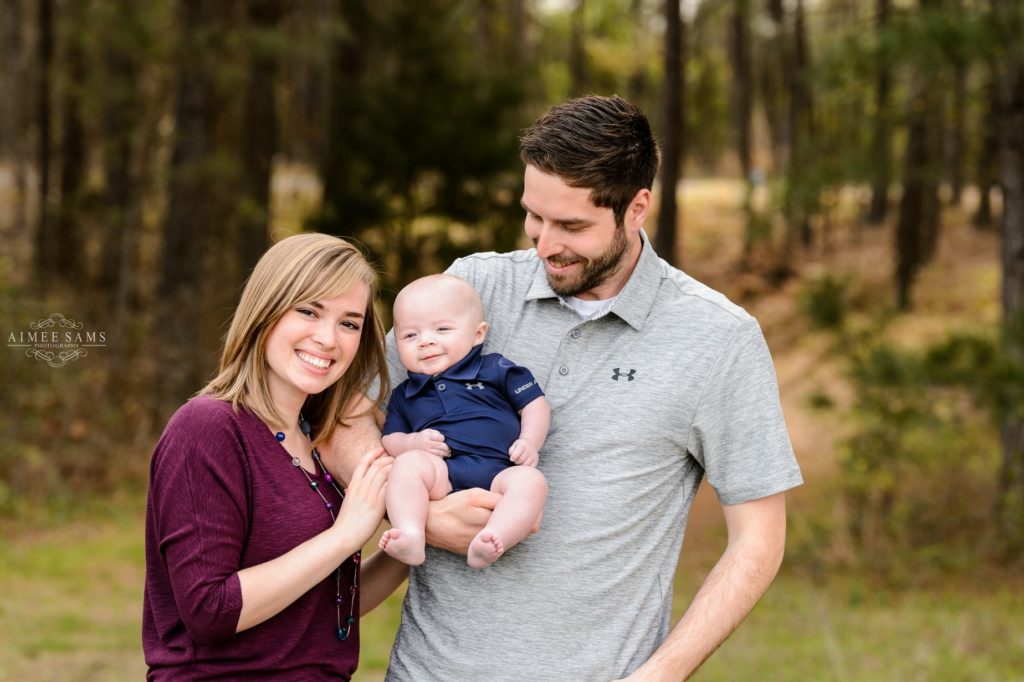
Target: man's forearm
(750, 562)
(359, 435)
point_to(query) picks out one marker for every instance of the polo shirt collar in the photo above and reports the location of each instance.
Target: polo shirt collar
(465, 369)
(636, 299)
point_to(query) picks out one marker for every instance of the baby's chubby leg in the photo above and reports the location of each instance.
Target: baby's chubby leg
(416, 478)
(523, 491)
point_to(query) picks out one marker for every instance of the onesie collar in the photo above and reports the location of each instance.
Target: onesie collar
(465, 369)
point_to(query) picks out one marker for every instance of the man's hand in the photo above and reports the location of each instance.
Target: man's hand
(524, 453)
(454, 520)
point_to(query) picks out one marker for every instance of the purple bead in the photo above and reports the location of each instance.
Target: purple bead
(328, 477)
(352, 589)
(355, 558)
(339, 600)
(279, 436)
(330, 506)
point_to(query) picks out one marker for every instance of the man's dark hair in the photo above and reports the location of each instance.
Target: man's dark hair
(604, 144)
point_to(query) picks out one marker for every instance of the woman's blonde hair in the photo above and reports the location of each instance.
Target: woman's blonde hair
(301, 268)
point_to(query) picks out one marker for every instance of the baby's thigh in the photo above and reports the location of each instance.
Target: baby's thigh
(517, 479)
(424, 467)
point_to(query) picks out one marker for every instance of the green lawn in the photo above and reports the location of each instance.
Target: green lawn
(72, 598)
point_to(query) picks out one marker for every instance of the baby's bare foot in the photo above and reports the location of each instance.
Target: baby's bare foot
(484, 550)
(404, 545)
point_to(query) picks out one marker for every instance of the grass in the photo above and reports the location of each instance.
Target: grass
(73, 597)
(72, 600)
(844, 630)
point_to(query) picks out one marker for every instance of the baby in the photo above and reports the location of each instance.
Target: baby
(481, 412)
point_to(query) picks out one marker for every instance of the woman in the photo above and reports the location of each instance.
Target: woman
(252, 549)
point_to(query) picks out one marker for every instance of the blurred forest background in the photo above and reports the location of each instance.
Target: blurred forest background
(851, 171)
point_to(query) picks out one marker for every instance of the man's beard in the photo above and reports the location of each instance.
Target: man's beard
(592, 272)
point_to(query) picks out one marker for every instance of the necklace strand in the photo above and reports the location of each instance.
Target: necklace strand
(342, 632)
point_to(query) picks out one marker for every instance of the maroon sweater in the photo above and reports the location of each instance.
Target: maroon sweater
(223, 495)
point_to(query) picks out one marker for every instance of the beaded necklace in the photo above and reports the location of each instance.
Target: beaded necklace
(341, 632)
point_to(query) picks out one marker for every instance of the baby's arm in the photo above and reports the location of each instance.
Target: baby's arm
(428, 440)
(536, 418)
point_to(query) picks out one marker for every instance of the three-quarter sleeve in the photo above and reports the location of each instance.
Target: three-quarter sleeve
(201, 514)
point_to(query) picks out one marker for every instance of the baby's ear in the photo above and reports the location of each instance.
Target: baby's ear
(481, 333)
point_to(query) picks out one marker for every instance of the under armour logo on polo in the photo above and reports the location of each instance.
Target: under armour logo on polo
(629, 375)
(479, 384)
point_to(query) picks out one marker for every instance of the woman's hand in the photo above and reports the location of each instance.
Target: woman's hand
(363, 507)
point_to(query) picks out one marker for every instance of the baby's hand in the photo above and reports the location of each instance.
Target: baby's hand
(524, 453)
(432, 441)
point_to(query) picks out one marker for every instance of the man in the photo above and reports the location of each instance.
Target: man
(654, 381)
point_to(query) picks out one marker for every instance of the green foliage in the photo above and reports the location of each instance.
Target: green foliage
(825, 301)
(423, 136)
(919, 470)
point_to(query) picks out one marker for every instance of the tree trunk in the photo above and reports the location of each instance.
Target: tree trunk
(1011, 172)
(802, 189)
(956, 138)
(742, 110)
(10, 74)
(485, 34)
(577, 51)
(69, 249)
(638, 84)
(987, 160)
(12, 107)
(881, 155)
(122, 112)
(260, 142)
(743, 87)
(917, 229)
(185, 229)
(672, 134)
(46, 239)
(776, 71)
(517, 34)
(350, 57)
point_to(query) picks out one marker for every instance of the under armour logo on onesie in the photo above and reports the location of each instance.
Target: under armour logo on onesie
(479, 384)
(629, 375)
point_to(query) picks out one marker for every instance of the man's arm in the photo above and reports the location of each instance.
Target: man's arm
(757, 538)
(359, 435)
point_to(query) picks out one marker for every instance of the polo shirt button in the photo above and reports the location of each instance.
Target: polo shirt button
(563, 371)
(575, 333)
(440, 387)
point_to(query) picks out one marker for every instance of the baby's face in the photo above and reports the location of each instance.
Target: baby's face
(433, 334)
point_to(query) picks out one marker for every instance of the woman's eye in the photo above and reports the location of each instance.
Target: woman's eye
(351, 325)
(306, 311)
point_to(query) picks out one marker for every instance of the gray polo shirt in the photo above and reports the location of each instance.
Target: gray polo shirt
(672, 384)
